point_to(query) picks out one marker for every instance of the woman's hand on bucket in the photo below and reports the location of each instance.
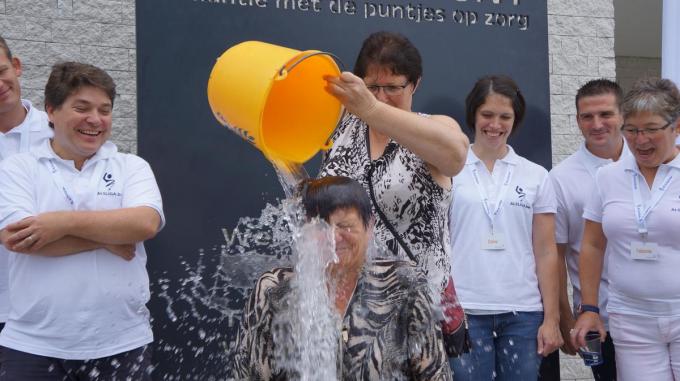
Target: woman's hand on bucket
(353, 93)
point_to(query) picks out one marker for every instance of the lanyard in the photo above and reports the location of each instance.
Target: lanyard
(643, 209)
(491, 214)
(68, 192)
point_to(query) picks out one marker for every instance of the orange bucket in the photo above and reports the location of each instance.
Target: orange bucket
(275, 98)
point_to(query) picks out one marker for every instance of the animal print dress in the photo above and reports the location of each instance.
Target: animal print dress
(388, 332)
(414, 203)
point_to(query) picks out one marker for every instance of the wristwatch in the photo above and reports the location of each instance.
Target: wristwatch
(589, 308)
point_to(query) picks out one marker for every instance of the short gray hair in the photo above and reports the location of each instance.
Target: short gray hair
(654, 95)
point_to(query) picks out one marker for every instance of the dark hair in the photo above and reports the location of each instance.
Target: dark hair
(654, 95)
(5, 47)
(600, 87)
(497, 84)
(392, 51)
(68, 77)
(321, 197)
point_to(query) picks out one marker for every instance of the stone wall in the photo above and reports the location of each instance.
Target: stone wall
(100, 32)
(581, 39)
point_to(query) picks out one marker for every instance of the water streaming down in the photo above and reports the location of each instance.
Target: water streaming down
(210, 298)
(306, 332)
(289, 174)
(208, 302)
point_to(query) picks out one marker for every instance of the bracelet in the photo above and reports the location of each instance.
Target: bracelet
(589, 308)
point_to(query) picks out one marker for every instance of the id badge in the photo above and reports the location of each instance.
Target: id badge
(493, 242)
(644, 251)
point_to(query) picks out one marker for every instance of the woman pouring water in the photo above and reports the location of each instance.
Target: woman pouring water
(405, 160)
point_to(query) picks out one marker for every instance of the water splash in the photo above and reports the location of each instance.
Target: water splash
(206, 304)
(306, 332)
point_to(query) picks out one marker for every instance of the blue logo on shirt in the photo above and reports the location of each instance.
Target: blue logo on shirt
(108, 178)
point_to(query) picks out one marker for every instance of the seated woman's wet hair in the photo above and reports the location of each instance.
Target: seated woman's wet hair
(321, 197)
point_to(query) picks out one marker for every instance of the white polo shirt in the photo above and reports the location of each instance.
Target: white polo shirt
(27, 136)
(574, 182)
(88, 305)
(639, 287)
(498, 280)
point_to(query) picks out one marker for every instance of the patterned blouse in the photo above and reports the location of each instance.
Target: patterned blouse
(415, 204)
(389, 331)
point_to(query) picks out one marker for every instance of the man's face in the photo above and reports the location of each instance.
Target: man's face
(82, 124)
(599, 120)
(10, 91)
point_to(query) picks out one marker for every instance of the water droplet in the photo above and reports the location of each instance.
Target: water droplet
(94, 373)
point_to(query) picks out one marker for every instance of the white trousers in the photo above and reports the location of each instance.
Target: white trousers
(647, 348)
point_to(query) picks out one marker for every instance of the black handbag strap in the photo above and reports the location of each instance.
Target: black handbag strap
(384, 219)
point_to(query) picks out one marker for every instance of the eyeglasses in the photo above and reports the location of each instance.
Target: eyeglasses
(390, 90)
(649, 131)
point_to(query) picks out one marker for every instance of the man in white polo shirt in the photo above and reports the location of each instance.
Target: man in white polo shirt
(599, 118)
(22, 128)
(74, 214)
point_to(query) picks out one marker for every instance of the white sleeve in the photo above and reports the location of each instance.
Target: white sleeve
(545, 196)
(17, 188)
(561, 214)
(592, 210)
(141, 188)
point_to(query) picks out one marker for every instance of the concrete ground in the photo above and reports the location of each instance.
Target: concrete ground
(572, 369)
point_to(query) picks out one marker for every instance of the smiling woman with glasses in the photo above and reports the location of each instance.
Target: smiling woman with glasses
(635, 215)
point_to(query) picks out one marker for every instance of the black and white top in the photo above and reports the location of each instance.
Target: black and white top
(414, 203)
(388, 332)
